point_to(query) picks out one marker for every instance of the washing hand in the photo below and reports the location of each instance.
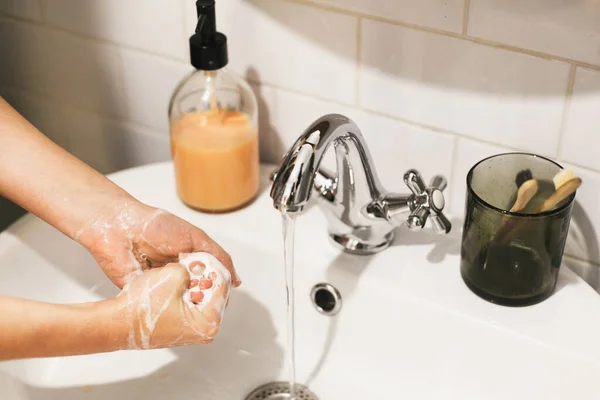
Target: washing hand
(179, 304)
(137, 246)
(134, 237)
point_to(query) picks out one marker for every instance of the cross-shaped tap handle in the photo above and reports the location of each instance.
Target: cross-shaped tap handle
(428, 202)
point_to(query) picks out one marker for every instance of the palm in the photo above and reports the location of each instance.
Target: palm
(139, 238)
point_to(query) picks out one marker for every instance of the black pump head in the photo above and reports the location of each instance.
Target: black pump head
(208, 48)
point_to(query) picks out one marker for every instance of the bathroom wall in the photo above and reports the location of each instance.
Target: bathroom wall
(433, 84)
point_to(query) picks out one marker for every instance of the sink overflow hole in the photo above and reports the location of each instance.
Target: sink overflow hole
(326, 299)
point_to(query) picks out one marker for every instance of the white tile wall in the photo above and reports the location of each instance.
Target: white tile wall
(29, 9)
(468, 153)
(148, 84)
(569, 29)
(500, 96)
(97, 76)
(589, 272)
(152, 25)
(22, 52)
(398, 147)
(290, 45)
(63, 66)
(581, 141)
(45, 115)
(439, 14)
(395, 146)
(109, 145)
(584, 237)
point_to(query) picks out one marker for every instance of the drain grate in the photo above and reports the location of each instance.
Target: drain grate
(281, 391)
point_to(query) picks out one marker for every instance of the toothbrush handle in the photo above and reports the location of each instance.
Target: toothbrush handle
(559, 195)
(504, 236)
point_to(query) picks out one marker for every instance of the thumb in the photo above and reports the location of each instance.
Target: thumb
(175, 276)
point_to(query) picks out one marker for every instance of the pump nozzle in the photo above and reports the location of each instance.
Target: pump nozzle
(208, 48)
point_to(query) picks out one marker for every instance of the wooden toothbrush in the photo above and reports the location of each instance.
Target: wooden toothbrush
(565, 184)
(527, 188)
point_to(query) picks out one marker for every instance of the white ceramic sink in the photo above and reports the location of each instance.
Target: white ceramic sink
(408, 328)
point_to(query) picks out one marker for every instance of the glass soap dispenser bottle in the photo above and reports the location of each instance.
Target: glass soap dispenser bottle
(213, 118)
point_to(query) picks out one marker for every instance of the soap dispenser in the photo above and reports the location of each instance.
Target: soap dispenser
(213, 118)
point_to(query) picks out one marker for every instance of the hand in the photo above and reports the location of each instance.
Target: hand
(162, 308)
(134, 237)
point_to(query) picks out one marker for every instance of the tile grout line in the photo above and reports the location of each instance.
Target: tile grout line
(155, 132)
(465, 26)
(79, 35)
(421, 125)
(151, 131)
(185, 35)
(358, 59)
(259, 82)
(353, 106)
(566, 109)
(579, 166)
(534, 53)
(453, 169)
(456, 35)
(41, 8)
(391, 117)
(583, 260)
(311, 3)
(140, 128)
(5, 15)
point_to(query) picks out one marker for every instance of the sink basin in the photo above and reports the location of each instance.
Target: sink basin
(408, 326)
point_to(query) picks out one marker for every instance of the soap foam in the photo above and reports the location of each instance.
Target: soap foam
(144, 314)
(212, 268)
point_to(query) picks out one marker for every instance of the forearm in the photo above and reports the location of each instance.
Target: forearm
(48, 181)
(31, 329)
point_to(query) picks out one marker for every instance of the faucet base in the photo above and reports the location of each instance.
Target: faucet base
(353, 245)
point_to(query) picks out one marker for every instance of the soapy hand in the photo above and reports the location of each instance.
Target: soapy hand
(137, 246)
(134, 237)
(179, 304)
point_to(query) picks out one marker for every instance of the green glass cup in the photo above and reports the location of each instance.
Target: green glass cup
(512, 258)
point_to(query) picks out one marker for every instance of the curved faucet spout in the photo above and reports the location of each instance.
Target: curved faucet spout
(296, 177)
(362, 216)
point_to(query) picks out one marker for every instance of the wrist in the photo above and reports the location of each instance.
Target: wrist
(110, 325)
(115, 216)
(86, 329)
(35, 329)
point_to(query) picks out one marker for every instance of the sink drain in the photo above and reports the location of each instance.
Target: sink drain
(281, 391)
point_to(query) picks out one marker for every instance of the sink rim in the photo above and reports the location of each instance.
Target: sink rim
(407, 278)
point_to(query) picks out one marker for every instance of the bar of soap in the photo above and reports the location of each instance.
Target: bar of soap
(207, 276)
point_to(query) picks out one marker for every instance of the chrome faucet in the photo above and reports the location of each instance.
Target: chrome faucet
(362, 216)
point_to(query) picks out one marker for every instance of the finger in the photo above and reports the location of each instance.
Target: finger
(197, 267)
(121, 267)
(205, 283)
(176, 276)
(216, 305)
(202, 242)
(225, 259)
(196, 297)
